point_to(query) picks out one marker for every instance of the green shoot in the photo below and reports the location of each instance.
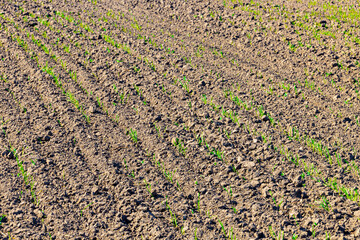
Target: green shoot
(81, 211)
(133, 135)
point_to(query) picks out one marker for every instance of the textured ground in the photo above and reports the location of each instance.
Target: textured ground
(179, 119)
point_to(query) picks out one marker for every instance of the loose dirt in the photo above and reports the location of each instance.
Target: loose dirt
(179, 119)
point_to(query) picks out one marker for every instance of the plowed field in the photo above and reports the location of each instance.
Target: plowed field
(180, 119)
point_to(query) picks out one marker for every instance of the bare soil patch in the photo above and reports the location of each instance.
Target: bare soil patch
(179, 119)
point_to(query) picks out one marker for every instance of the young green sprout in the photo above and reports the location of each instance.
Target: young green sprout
(133, 135)
(313, 229)
(180, 146)
(81, 211)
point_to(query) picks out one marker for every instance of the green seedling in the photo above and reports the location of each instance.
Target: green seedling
(198, 202)
(133, 135)
(280, 235)
(218, 153)
(232, 236)
(126, 167)
(294, 236)
(200, 140)
(227, 134)
(58, 121)
(184, 84)
(178, 186)
(182, 231)
(33, 162)
(222, 227)
(325, 204)
(234, 209)
(229, 191)
(313, 229)
(2, 218)
(297, 224)
(81, 211)
(158, 130)
(172, 215)
(277, 204)
(122, 98)
(148, 188)
(138, 91)
(3, 77)
(180, 146)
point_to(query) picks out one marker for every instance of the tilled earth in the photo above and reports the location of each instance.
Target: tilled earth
(179, 119)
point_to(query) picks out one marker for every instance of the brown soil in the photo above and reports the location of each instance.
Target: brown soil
(179, 119)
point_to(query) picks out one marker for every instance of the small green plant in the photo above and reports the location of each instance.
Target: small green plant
(180, 146)
(133, 135)
(277, 204)
(184, 84)
(3, 77)
(172, 215)
(229, 191)
(2, 218)
(217, 153)
(158, 130)
(280, 235)
(178, 186)
(148, 188)
(126, 167)
(81, 211)
(222, 227)
(198, 202)
(313, 229)
(227, 134)
(294, 236)
(200, 139)
(325, 203)
(234, 209)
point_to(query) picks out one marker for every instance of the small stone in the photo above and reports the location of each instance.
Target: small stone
(293, 213)
(254, 183)
(248, 164)
(239, 159)
(348, 79)
(357, 214)
(255, 207)
(94, 190)
(91, 109)
(357, 233)
(265, 192)
(39, 213)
